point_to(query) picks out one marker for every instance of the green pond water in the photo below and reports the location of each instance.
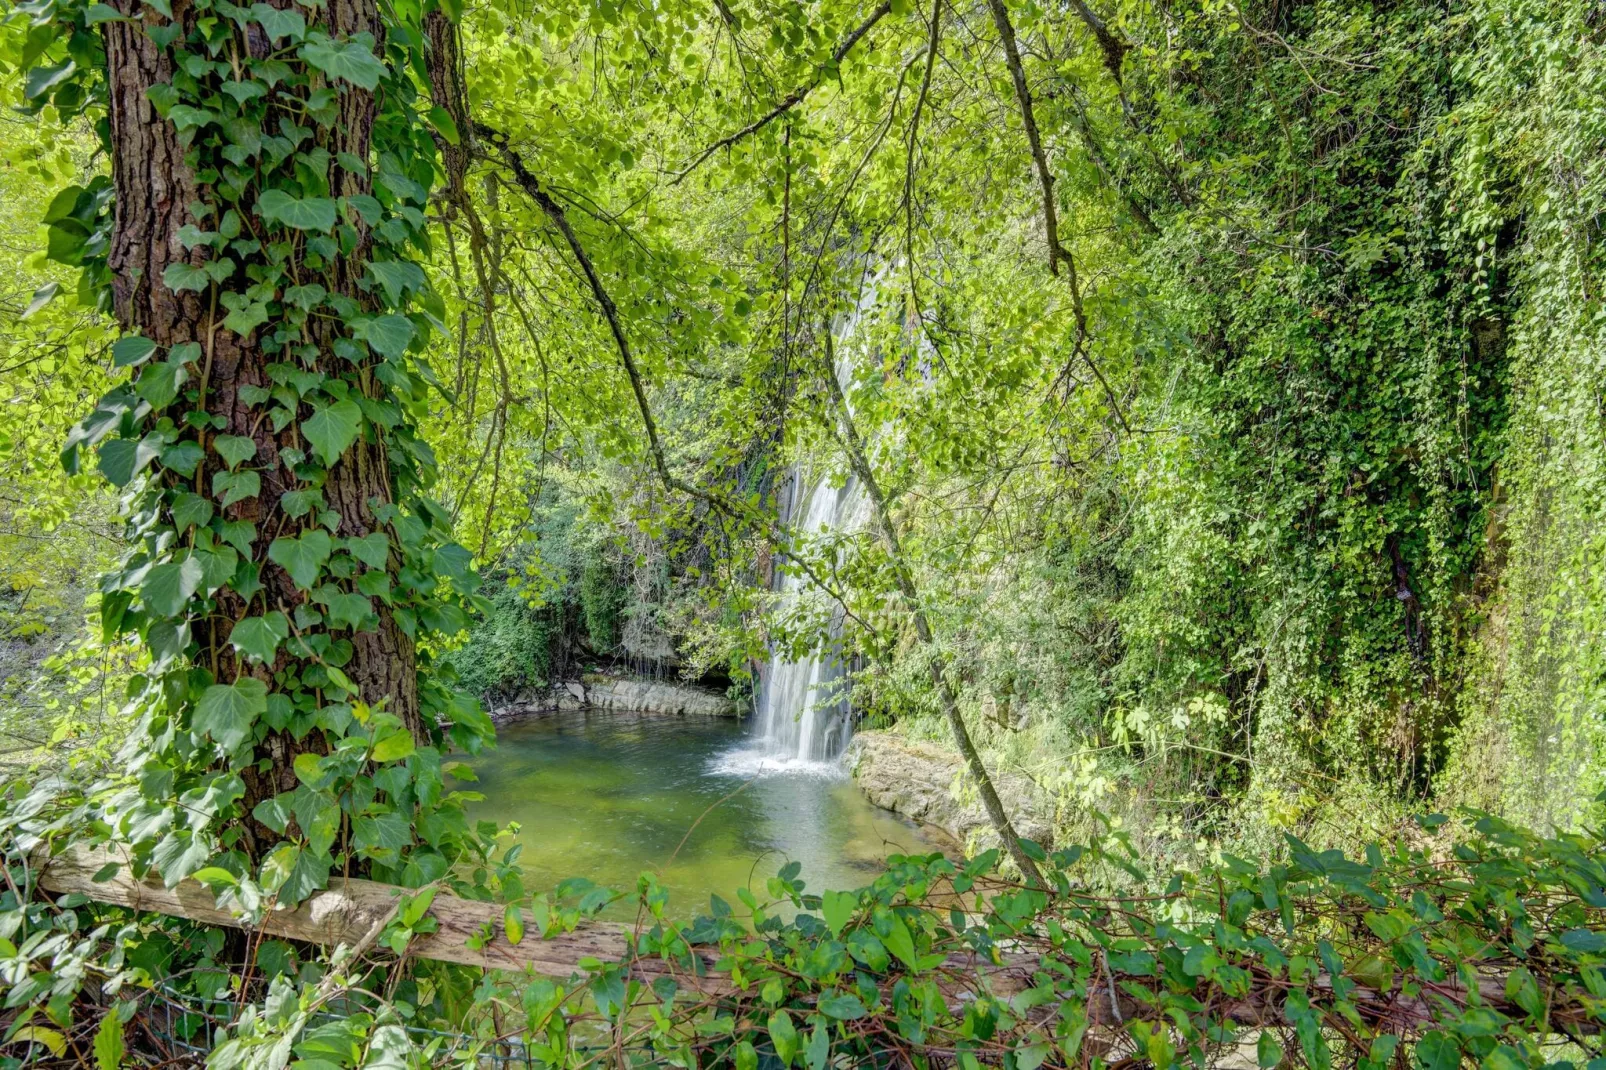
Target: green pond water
(607, 794)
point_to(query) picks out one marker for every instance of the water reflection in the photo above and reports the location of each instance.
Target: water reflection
(606, 794)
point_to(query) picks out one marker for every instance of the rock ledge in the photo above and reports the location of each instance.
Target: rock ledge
(923, 783)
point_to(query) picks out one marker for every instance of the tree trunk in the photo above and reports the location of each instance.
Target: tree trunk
(154, 189)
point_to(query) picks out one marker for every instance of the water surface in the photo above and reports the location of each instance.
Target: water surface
(607, 794)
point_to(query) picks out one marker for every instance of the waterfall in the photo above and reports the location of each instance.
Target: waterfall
(803, 710)
(803, 717)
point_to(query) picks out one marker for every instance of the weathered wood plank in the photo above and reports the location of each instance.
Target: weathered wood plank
(350, 909)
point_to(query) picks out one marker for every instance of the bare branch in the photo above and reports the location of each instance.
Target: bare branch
(795, 98)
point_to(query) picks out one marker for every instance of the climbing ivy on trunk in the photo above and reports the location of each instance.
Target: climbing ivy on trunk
(270, 168)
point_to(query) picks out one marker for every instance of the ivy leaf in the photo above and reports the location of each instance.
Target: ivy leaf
(302, 557)
(159, 383)
(352, 60)
(398, 277)
(278, 24)
(168, 588)
(349, 609)
(838, 908)
(131, 350)
(245, 315)
(42, 80)
(191, 510)
(389, 336)
(122, 459)
(234, 448)
(41, 297)
(234, 487)
(302, 213)
(371, 549)
(182, 457)
(332, 429)
(181, 277)
(846, 1007)
(226, 711)
(399, 744)
(259, 637)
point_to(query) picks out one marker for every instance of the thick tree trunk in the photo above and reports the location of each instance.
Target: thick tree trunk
(154, 189)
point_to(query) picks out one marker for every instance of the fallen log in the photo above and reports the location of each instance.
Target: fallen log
(350, 910)
(472, 933)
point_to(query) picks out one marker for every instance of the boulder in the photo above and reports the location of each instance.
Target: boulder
(925, 783)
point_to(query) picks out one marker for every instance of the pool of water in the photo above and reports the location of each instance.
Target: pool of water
(607, 794)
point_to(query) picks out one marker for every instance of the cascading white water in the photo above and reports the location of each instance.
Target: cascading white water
(803, 713)
(804, 718)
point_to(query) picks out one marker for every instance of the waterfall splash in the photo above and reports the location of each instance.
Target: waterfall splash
(803, 717)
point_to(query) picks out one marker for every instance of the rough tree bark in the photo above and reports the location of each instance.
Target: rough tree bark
(154, 188)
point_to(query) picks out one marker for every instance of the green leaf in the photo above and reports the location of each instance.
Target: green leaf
(42, 80)
(259, 637)
(122, 459)
(109, 1048)
(332, 429)
(838, 907)
(352, 60)
(442, 120)
(1268, 1052)
(784, 1034)
(901, 943)
(244, 315)
(168, 588)
(226, 711)
(302, 557)
(234, 448)
(513, 924)
(397, 277)
(301, 213)
(389, 336)
(845, 1007)
(372, 549)
(159, 383)
(397, 745)
(280, 23)
(41, 297)
(99, 13)
(191, 510)
(181, 277)
(131, 350)
(231, 487)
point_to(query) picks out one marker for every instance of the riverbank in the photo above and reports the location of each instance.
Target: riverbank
(923, 783)
(601, 691)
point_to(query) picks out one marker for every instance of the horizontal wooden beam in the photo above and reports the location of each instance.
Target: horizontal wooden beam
(349, 911)
(352, 911)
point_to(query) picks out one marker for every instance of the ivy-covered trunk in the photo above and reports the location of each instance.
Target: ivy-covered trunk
(156, 192)
(270, 172)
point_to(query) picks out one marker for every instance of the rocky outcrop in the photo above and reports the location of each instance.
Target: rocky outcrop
(923, 783)
(598, 692)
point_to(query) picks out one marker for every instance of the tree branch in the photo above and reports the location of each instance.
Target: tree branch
(795, 98)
